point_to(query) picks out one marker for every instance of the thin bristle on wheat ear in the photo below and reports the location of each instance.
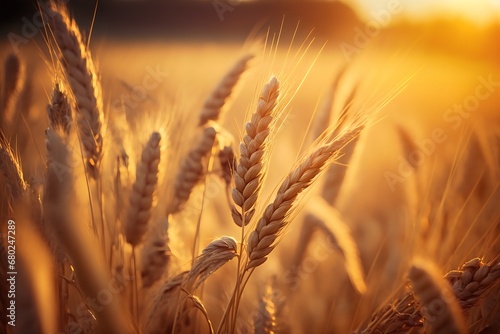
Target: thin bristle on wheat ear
(82, 77)
(11, 170)
(214, 104)
(248, 174)
(59, 111)
(141, 197)
(192, 169)
(439, 306)
(275, 217)
(214, 256)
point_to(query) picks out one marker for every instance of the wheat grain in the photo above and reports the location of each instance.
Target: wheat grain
(249, 171)
(215, 103)
(275, 217)
(82, 77)
(141, 197)
(472, 281)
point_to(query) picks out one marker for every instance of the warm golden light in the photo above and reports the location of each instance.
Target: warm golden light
(481, 11)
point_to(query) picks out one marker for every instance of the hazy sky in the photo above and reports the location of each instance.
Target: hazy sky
(481, 11)
(478, 10)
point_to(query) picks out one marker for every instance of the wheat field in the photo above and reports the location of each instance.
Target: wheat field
(268, 185)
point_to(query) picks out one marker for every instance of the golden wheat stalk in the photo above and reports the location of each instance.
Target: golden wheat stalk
(335, 174)
(214, 104)
(12, 81)
(249, 171)
(141, 197)
(329, 221)
(261, 241)
(80, 245)
(82, 77)
(36, 289)
(192, 169)
(323, 119)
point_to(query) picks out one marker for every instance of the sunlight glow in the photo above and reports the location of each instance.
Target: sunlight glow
(480, 11)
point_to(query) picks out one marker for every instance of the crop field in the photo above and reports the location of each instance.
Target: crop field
(279, 181)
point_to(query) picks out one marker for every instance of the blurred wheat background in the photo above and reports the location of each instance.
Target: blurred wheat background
(251, 166)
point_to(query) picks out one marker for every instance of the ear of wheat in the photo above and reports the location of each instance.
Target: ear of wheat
(214, 256)
(248, 174)
(82, 77)
(212, 108)
(141, 197)
(192, 169)
(275, 218)
(155, 254)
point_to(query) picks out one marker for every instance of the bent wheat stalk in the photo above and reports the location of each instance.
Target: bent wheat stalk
(214, 256)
